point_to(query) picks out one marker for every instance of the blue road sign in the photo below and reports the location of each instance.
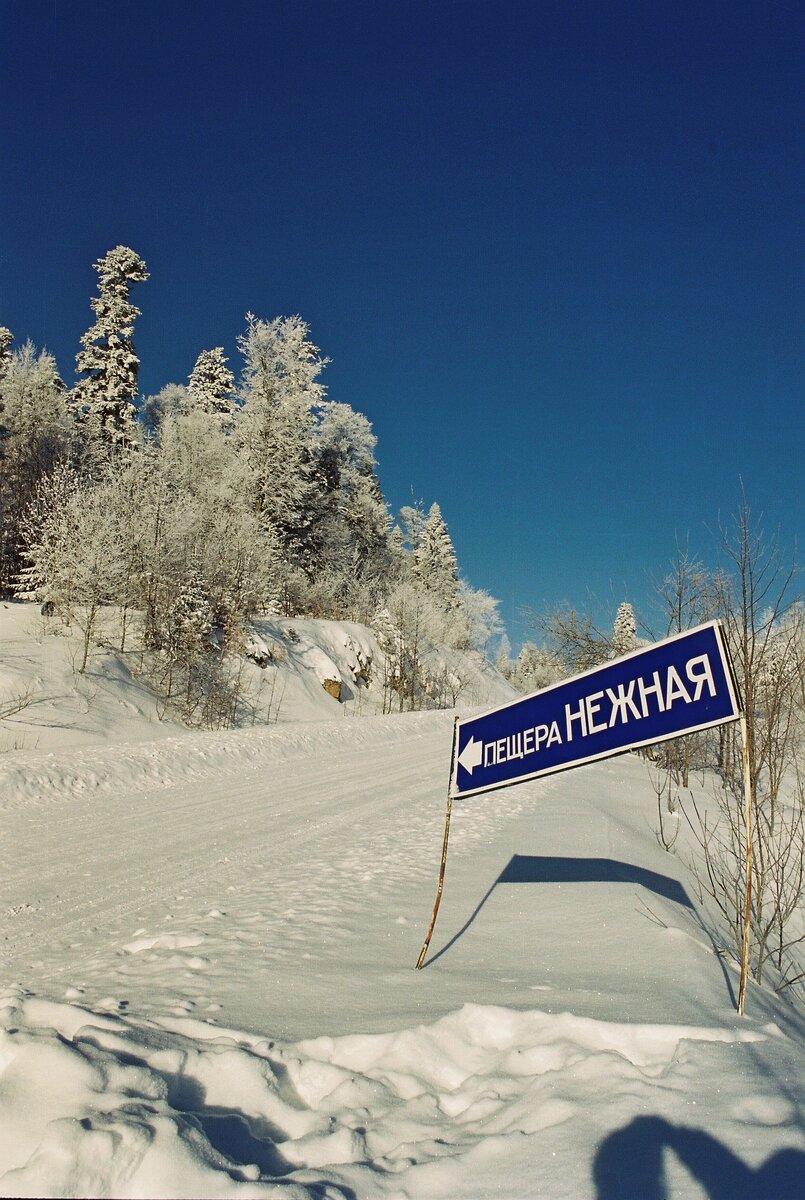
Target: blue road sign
(677, 686)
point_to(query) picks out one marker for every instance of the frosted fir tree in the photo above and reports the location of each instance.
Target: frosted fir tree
(104, 398)
(624, 631)
(279, 391)
(37, 430)
(503, 658)
(35, 406)
(399, 556)
(211, 384)
(191, 616)
(434, 560)
(6, 338)
(352, 521)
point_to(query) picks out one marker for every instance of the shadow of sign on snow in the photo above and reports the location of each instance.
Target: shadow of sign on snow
(531, 868)
(629, 1163)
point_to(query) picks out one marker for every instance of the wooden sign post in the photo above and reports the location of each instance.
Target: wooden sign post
(748, 815)
(440, 886)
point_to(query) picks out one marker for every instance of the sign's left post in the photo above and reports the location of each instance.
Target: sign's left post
(440, 886)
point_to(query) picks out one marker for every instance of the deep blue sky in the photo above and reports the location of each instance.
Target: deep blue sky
(554, 250)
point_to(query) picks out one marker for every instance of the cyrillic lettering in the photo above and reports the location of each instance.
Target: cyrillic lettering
(592, 708)
(580, 716)
(654, 689)
(620, 701)
(675, 688)
(705, 676)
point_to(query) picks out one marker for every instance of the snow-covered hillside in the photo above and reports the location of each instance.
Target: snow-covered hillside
(287, 665)
(207, 984)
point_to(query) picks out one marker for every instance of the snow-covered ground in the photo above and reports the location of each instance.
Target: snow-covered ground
(207, 987)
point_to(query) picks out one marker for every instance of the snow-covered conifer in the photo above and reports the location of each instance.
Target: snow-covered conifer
(624, 631)
(434, 560)
(36, 434)
(104, 397)
(350, 533)
(503, 660)
(279, 390)
(211, 384)
(6, 338)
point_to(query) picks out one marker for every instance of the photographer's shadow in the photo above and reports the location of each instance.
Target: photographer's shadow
(629, 1164)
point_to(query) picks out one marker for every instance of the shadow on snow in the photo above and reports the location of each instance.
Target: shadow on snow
(629, 1164)
(530, 868)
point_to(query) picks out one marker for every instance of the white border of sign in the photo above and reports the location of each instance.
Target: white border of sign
(735, 697)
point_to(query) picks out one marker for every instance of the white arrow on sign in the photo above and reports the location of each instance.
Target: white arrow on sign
(471, 755)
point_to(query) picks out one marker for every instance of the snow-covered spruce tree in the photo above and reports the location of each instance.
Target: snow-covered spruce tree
(434, 563)
(37, 429)
(503, 659)
(624, 631)
(279, 390)
(104, 398)
(348, 539)
(211, 384)
(399, 556)
(6, 338)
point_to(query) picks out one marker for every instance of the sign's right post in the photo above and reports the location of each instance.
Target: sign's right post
(748, 815)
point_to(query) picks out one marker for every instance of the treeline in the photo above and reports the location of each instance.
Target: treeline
(193, 509)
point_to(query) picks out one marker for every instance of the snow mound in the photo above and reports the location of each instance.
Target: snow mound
(94, 1105)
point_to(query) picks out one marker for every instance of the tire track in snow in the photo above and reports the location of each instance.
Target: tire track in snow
(275, 844)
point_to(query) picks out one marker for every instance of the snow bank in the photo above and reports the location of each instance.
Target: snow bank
(478, 1103)
(35, 779)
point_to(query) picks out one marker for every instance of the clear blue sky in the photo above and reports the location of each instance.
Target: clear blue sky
(554, 250)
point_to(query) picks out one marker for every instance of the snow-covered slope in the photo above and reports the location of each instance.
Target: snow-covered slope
(289, 663)
(207, 987)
